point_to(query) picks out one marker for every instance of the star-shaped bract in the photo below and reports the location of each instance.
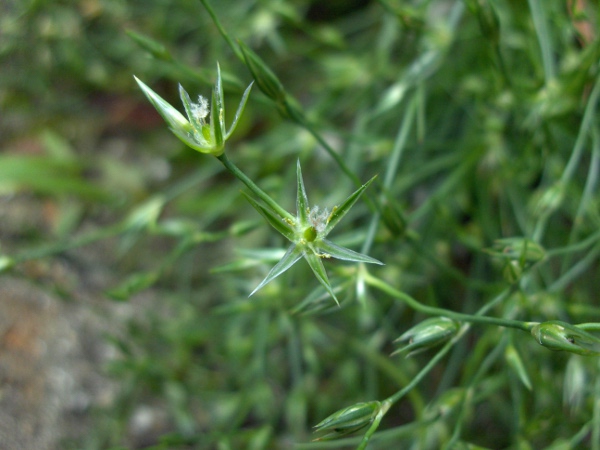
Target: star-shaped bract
(307, 233)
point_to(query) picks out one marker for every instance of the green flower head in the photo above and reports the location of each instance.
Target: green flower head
(307, 232)
(197, 131)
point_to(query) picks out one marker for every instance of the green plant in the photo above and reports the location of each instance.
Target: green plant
(480, 118)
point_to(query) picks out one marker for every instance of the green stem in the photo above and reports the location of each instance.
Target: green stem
(596, 417)
(221, 29)
(593, 326)
(539, 22)
(385, 406)
(388, 402)
(254, 188)
(430, 365)
(336, 157)
(461, 317)
(482, 369)
(80, 241)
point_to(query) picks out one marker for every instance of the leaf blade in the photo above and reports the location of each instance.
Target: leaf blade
(339, 212)
(344, 253)
(293, 254)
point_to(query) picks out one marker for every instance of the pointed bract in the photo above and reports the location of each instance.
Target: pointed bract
(301, 198)
(339, 212)
(315, 263)
(173, 117)
(290, 258)
(345, 254)
(240, 111)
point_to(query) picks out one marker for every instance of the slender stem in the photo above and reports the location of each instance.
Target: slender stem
(581, 245)
(385, 406)
(221, 29)
(430, 365)
(593, 326)
(392, 169)
(254, 188)
(596, 417)
(63, 246)
(388, 402)
(482, 369)
(383, 286)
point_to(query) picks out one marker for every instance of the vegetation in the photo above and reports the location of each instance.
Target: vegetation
(455, 147)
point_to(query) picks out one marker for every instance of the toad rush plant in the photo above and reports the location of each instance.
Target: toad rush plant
(307, 230)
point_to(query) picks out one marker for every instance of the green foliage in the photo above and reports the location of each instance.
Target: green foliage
(480, 118)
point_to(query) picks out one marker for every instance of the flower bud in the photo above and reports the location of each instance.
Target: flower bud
(518, 249)
(348, 420)
(561, 336)
(512, 271)
(427, 334)
(267, 81)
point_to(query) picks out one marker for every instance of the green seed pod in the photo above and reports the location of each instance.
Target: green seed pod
(265, 78)
(348, 420)
(518, 249)
(310, 234)
(561, 336)
(427, 334)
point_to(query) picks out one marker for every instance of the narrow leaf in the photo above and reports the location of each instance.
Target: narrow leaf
(187, 104)
(273, 218)
(516, 364)
(344, 253)
(173, 117)
(318, 269)
(292, 255)
(301, 198)
(239, 111)
(155, 48)
(339, 212)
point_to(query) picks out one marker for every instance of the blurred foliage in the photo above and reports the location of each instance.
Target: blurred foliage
(480, 118)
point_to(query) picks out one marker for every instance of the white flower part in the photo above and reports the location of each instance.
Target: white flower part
(200, 110)
(318, 219)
